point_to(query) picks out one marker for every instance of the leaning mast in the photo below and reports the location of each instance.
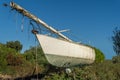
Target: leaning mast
(36, 19)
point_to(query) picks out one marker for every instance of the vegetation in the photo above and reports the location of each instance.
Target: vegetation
(25, 66)
(13, 63)
(16, 45)
(99, 56)
(116, 59)
(33, 53)
(102, 71)
(116, 41)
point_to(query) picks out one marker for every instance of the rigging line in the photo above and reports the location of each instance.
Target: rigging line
(36, 57)
(22, 24)
(79, 40)
(16, 23)
(45, 30)
(28, 31)
(32, 24)
(39, 27)
(73, 35)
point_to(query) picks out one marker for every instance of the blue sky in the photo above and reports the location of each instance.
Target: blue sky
(91, 21)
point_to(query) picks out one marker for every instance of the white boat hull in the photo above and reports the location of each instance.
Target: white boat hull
(62, 53)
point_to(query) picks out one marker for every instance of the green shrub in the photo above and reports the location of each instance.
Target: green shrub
(14, 60)
(16, 45)
(116, 59)
(30, 55)
(4, 51)
(99, 56)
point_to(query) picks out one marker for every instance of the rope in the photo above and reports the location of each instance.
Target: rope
(36, 58)
(28, 32)
(22, 24)
(16, 22)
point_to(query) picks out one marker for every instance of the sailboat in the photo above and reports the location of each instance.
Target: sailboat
(60, 52)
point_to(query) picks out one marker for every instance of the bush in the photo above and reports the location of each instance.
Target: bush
(116, 59)
(30, 55)
(99, 56)
(4, 51)
(16, 45)
(14, 60)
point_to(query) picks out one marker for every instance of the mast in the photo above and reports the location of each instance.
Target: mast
(36, 19)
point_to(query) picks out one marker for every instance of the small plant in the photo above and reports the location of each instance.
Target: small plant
(116, 59)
